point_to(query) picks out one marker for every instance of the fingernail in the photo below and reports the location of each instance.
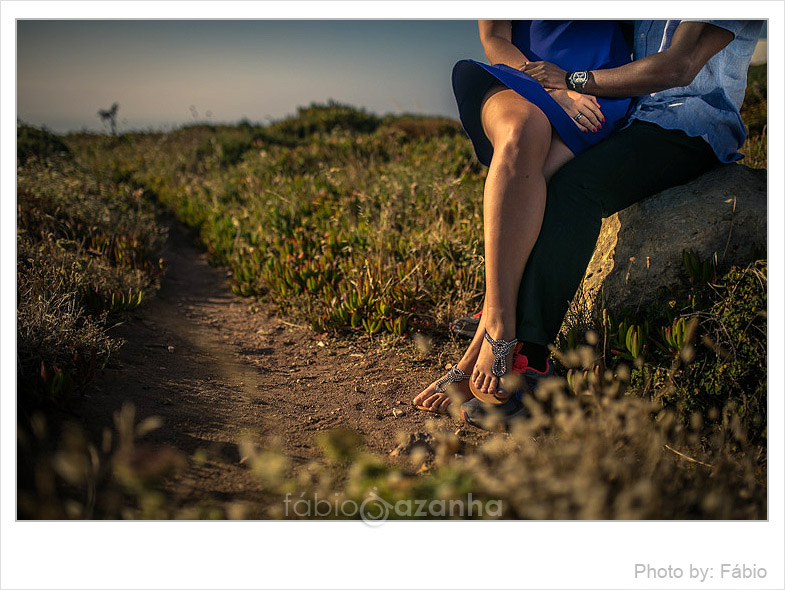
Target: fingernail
(599, 126)
(603, 119)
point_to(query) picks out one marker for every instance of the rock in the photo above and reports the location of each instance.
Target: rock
(640, 248)
(398, 412)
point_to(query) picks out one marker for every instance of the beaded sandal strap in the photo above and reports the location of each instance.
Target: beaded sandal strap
(500, 349)
(454, 375)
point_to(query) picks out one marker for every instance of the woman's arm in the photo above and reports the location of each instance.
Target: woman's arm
(496, 38)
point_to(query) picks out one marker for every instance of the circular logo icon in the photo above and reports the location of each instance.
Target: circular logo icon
(374, 510)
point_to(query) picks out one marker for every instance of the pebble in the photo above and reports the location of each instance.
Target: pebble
(170, 348)
(397, 412)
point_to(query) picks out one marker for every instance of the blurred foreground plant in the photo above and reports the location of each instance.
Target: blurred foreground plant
(73, 478)
(589, 450)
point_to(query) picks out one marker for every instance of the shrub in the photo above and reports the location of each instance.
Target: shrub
(318, 119)
(702, 349)
(730, 366)
(754, 111)
(85, 250)
(32, 142)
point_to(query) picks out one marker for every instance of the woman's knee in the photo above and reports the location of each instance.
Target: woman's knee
(522, 140)
(520, 128)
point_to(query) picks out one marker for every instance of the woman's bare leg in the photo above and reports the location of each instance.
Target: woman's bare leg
(558, 155)
(513, 207)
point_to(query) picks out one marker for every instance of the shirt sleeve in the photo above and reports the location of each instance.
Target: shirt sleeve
(734, 26)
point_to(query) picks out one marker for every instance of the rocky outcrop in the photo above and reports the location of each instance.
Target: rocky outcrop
(639, 250)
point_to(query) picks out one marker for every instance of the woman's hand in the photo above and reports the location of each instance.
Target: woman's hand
(585, 105)
(548, 74)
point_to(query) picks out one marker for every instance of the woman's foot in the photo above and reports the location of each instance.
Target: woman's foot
(451, 389)
(457, 390)
(483, 379)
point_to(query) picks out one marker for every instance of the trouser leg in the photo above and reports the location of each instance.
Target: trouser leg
(635, 163)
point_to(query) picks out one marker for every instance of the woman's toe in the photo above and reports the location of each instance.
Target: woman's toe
(423, 397)
(492, 385)
(485, 384)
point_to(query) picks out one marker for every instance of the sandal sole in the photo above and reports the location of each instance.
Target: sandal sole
(488, 398)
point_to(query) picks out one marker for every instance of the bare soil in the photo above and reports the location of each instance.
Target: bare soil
(217, 367)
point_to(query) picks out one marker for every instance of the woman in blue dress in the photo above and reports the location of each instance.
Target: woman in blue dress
(523, 133)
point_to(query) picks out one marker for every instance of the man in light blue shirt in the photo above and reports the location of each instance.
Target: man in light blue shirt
(690, 78)
(707, 107)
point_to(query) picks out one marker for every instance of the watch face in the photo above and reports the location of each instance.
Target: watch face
(579, 78)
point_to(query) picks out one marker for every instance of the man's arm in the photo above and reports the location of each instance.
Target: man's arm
(693, 44)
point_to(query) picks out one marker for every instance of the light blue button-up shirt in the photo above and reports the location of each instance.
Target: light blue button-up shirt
(709, 106)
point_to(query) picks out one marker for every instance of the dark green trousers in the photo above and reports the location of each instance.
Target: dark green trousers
(633, 164)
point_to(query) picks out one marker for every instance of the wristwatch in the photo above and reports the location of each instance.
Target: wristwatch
(576, 80)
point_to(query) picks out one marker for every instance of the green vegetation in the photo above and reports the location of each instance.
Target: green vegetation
(370, 227)
(351, 223)
(32, 142)
(86, 250)
(754, 113)
(701, 351)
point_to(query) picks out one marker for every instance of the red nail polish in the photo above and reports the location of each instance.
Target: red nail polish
(603, 119)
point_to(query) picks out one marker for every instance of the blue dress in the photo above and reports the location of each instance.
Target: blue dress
(571, 45)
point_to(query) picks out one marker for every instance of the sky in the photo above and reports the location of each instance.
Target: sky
(167, 73)
(228, 70)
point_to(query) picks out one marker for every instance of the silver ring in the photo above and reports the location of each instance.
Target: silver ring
(578, 116)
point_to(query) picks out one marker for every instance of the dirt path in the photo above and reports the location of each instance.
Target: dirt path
(216, 366)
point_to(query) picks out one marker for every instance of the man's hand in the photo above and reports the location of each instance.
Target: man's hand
(548, 74)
